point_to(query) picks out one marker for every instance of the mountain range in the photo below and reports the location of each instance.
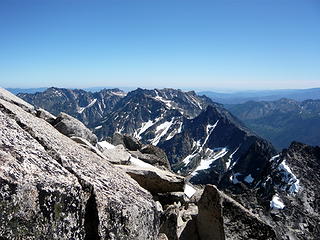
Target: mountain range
(202, 140)
(281, 121)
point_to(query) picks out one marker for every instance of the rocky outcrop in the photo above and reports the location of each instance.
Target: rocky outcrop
(52, 188)
(41, 113)
(209, 219)
(240, 223)
(146, 152)
(131, 143)
(178, 222)
(211, 214)
(160, 158)
(289, 192)
(72, 127)
(153, 179)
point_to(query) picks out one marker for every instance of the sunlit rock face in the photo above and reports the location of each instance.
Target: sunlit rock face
(53, 188)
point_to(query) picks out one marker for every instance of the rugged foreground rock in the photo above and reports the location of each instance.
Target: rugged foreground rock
(52, 188)
(212, 215)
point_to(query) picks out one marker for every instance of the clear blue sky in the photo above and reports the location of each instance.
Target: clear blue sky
(226, 44)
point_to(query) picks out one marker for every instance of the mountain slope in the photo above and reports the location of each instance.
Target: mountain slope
(288, 193)
(282, 121)
(201, 139)
(86, 106)
(213, 145)
(150, 115)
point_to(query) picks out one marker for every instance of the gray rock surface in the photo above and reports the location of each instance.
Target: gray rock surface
(178, 222)
(86, 144)
(41, 113)
(160, 156)
(52, 188)
(9, 97)
(162, 236)
(153, 179)
(149, 158)
(221, 217)
(116, 155)
(131, 143)
(209, 219)
(72, 127)
(169, 198)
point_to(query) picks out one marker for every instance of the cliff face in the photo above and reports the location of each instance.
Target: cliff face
(52, 188)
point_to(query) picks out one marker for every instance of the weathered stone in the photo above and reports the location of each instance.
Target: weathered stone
(36, 193)
(209, 219)
(239, 223)
(52, 188)
(190, 231)
(160, 156)
(221, 217)
(178, 222)
(169, 222)
(41, 113)
(72, 127)
(162, 236)
(117, 139)
(153, 179)
(170, 198)
(131, 143)
(149, 158)
(9, 97)
(117, 155)
(86, 144)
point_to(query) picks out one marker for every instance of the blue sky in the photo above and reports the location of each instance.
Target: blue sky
(227, 44)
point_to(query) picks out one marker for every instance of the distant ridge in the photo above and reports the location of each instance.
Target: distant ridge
(26, 90)
(263, 95)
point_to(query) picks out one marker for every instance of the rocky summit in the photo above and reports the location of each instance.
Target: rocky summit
(166, 164)
(53, 188)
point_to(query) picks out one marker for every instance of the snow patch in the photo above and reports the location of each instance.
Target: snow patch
(81, 109)
(230, 159)
(276, 203)
(249, 179)
(175, 132)
(195, 102)
(168, 103)
(139, 163)
(274, 158)
(205, 163)
(189, 191)
(143, 128)
(162, 130)
(188, 158)
(289, 177)
(234, 179)
(120, 94)
(209, 130)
